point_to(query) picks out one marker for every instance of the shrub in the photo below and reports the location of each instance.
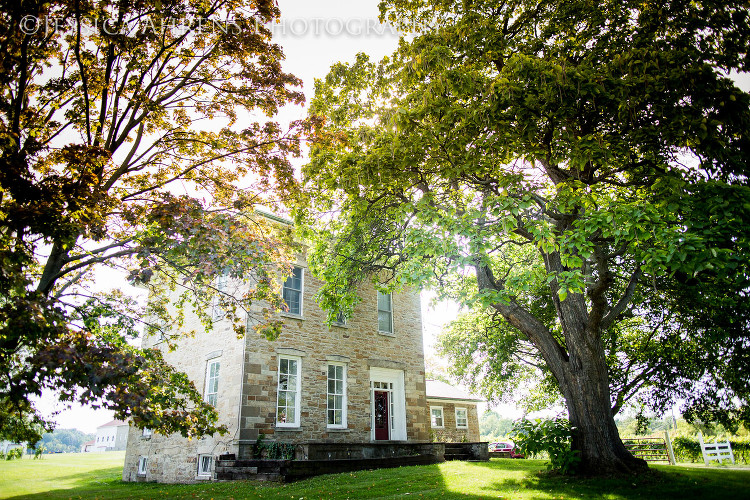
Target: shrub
(552, 436)
(273, 450)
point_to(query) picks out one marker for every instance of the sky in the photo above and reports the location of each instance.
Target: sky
(314, 35)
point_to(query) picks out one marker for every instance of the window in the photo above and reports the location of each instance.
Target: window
(146, 432)
(337, 396)
(221, 288)
(142, 466)
(288, 395)
(385, 313)
(340, 319)
(212, 382)
(436, 417)
(292, 292)
(204, 465)
(462, 419)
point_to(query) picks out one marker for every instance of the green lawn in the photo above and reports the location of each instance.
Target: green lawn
(97, 475)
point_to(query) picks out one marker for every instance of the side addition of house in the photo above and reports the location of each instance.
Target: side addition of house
(453, 413)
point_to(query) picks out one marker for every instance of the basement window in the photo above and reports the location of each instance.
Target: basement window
(142, 466)
(205, 463)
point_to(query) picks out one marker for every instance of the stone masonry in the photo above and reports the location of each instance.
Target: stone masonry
(248, 380)
(450, 433)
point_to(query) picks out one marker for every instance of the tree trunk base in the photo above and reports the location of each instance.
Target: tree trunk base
(621, 466)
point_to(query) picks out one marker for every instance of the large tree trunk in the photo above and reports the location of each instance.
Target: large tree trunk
(583, 376)
(580, 368)
(585, 386)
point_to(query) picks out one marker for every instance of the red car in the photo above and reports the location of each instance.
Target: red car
(505, 447)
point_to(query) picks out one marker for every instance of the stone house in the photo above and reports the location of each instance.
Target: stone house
(358, 381)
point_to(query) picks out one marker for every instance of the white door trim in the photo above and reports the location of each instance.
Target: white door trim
(398, 399)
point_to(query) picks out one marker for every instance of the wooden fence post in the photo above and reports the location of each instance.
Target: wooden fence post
(669, 448)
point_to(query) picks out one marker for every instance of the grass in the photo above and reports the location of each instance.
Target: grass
(97, 476)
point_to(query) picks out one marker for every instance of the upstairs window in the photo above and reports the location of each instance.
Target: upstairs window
(221, 288)
(337, 396)
(212, 382)
(340, 319)
(385, 313)
(292, 292)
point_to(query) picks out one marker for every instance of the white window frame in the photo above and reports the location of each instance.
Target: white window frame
(202, 472)
(301, 291)
(297, 391)
(208, 393)
(442, 417)
(389, 311)
(466, 418)
(142, 462)
(222, 282)
(344, 404)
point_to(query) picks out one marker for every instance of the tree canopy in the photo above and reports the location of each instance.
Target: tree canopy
(133, 135)
(573, 172)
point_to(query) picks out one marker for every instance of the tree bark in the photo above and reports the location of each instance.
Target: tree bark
(584, 383)
(581, 370)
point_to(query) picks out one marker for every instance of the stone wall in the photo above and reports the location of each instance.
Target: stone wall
(359, 346)
(174, 458)
(249, 375)
(450, 433)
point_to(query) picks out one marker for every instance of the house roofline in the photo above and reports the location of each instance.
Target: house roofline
(453, 400)
(275, 217)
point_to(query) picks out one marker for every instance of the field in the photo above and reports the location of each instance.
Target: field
(90, 476)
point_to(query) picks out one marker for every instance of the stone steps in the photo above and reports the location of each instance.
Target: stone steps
(262, 470)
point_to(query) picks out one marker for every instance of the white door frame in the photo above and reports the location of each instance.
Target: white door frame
(398, 402)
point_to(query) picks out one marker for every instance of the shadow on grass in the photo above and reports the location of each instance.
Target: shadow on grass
(81, 478)
(663, 482)
(524, 479)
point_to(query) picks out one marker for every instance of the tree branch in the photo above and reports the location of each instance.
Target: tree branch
(622, 304)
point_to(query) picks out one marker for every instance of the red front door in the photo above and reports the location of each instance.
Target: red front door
(381, 416)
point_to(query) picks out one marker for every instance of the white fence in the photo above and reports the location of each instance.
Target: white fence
(715, 451)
